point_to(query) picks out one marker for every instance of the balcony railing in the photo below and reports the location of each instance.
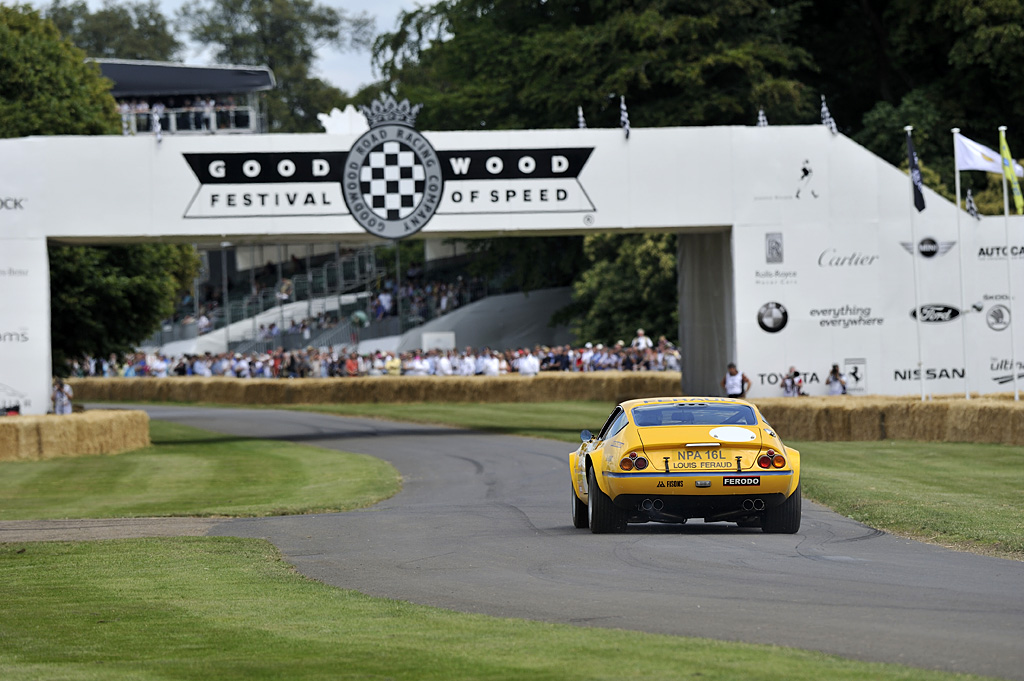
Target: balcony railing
(222, 120)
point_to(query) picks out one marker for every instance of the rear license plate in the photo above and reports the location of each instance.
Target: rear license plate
(742, 481)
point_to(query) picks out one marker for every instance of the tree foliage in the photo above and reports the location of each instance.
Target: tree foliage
(109, 299)
(523, 63)
(102, 300)
(284, 35)
(626, 283)
(129, 30)
(46, 86)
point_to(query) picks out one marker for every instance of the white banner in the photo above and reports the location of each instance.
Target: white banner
(24, 326)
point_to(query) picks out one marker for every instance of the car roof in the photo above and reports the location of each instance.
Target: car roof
(629, 404)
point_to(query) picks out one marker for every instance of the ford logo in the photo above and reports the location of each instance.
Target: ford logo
(932, 314)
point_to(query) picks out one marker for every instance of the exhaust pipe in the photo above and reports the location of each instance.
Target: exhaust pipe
(758, 504)
(658, 504)
(748, 504)
(647, 504)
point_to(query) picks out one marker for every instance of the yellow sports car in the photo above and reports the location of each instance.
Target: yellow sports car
(670, 459)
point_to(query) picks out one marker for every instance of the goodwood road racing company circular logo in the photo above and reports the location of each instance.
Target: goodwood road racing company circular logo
(772, 317)
(393, 179)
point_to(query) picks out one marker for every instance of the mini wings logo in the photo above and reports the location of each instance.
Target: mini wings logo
(391, 181)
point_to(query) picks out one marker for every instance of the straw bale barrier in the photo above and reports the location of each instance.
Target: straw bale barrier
(31, 438)
(992, 418)
(605, 386)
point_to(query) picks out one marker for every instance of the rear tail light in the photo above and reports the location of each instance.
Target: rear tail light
(771, 459)
(632, 461)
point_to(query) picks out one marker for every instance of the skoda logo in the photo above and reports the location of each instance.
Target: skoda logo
(772, 317)
(998, 317)
(392, 181)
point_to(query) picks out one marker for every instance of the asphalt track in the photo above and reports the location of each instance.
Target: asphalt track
(483, 525)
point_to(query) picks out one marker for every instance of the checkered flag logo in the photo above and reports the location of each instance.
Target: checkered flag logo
(392, 181)
(826, 118)
(580, 120)
(762, 120)
(971, 207)
(624, 116)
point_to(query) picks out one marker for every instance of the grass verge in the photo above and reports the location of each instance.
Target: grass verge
(225, 608)
(191, 472)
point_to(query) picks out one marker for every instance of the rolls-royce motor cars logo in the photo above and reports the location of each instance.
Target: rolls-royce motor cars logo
(773, 248)
(392, 181)
(928, 247)
(772, 317)
(936, 314)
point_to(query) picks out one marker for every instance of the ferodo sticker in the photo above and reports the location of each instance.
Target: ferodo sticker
(742, 481)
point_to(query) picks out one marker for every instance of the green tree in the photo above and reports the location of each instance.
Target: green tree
(46, 86)
(525, 64)
(102, 300)
(107, 300)
(627, 283)
(128, 30)
(284, 35)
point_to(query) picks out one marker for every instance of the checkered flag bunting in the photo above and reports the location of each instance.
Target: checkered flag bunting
(392, 181)
(762, 120)
(971, 207)
(826, 118)
(581, 121)
(624, 116)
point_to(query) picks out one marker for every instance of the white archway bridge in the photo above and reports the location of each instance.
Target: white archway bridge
(796, 247)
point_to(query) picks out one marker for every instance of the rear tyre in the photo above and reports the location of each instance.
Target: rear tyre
(784, 518)
(604, 517)
(579, 510)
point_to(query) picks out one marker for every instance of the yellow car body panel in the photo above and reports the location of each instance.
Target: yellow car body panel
(704, 469)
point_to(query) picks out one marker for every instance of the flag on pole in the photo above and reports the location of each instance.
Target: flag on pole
(826, 118)
(624, 116)
(971, 207)
(581, 121)
(762, 120)
(915, 174)
(1010, 175)
(973, 156)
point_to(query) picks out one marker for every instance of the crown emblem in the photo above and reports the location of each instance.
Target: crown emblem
(385, 110)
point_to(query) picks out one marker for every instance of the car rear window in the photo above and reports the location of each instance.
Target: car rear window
(693, 414)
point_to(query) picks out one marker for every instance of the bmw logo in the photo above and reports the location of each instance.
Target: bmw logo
(772, 317)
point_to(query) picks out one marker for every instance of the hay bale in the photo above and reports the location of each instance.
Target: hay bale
(33, 438)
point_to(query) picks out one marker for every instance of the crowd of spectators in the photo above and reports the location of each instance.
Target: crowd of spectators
(329, 363)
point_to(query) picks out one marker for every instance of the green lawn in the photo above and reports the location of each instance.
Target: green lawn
(191, 472)
(226, 608)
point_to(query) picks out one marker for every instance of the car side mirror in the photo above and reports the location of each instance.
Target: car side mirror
(586, 436)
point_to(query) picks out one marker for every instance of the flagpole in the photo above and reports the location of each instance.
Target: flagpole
(960, 240)
(1009, 270)
(917, 302)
